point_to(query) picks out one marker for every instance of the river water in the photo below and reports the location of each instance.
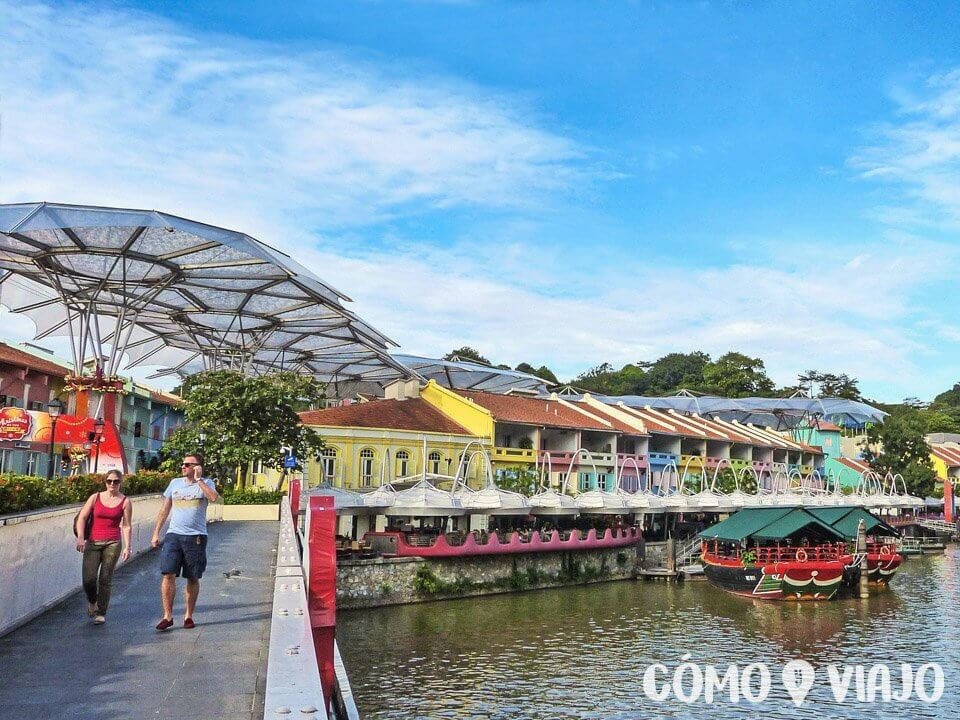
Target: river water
(582, 652)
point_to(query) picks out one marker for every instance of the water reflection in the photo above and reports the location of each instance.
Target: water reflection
(580, 652)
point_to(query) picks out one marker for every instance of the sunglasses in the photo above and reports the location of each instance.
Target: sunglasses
(188, 464)
(114, 481)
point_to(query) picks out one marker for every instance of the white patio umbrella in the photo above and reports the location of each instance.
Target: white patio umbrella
(549, 502)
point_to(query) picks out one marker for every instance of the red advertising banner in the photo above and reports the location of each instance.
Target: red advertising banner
(33, 426)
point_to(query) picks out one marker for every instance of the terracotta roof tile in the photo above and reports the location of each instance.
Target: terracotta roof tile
(618, 424)
(951, 456)
(533, 411)
(414, 414)
(859, 465)
(20, 358)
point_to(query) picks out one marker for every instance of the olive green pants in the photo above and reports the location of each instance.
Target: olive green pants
(99, 560)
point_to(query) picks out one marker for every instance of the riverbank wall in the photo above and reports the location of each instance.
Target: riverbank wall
(396, 581)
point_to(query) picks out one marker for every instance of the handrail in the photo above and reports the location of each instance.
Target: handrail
(293, 676)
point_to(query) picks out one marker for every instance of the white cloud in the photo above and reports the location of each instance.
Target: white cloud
(920, 153)
(115, 107)
(306, 149)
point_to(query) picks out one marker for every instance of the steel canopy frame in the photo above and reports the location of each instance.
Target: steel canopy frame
(468, 375)
(181, 295)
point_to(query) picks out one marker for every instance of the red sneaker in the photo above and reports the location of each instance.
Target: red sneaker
(164, 625)
(189, 624)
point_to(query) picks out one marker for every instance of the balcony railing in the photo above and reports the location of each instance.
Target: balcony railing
(627, 460)
(508, 454)
(659, 458)
(560, 459)
(739, 464)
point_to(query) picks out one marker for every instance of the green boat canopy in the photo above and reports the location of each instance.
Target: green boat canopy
(777, 524)
(846, 521)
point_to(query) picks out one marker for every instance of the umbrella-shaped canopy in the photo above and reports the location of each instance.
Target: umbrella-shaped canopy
(345, 502)
(469, 375)
(492, 500)
(549, 502)
(382, 497)
(600, 502)
(178, 294)
(425, 500)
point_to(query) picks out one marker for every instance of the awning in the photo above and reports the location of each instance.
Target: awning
(778, 524)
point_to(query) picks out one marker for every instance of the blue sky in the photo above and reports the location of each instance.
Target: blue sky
(552, 182)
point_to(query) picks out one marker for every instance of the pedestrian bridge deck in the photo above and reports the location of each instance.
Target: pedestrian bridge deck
(62, 666)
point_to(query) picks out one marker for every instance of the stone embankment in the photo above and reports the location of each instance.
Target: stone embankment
(394, 581)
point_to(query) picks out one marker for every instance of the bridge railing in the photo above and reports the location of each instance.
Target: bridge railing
(293, 686)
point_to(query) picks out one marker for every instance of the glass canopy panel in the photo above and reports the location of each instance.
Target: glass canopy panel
(173, 283)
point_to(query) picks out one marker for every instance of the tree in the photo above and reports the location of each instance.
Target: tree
(898, 446)
(467, 353)
(737, 375)
(245, 419)
(823, 384)
(949, 398)
(542, 372)
(675, 371)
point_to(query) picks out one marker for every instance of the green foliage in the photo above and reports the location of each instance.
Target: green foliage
(622, 559)
(748, 558)
(518, 479)
(736, 375)
(467, 353)
(518, 580)
(251, 497)
(732, 374)
(823, 384)
(386, 589)
(542, 372)
(23, 493)
(949, 398)
(898, 446)
(245, 419)
(425, 582)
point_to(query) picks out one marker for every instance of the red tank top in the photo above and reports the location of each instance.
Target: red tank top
(106, 521)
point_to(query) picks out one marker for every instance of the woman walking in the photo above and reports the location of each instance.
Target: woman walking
(111, 512)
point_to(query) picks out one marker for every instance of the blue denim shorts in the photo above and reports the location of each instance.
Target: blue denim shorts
(183, 555)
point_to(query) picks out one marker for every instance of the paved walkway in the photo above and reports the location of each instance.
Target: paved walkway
(62, 666)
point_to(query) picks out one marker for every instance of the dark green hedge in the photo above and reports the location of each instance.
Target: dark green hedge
(22, 493)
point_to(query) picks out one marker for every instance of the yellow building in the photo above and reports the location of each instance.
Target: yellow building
(384, 440)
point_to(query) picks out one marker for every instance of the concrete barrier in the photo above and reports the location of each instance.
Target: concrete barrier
(39, 563)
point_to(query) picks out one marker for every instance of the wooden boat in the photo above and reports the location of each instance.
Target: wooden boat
(791, 554)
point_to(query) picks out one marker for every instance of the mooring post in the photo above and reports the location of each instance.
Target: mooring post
(862, 553)
(671, 555)
(322, 585)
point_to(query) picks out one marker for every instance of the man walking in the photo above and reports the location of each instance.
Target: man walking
(184, 548)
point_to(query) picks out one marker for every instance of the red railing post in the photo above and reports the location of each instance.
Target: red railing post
(322, 585)
(293, 491)
(948, 500)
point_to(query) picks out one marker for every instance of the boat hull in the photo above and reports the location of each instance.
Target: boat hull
(789, 581)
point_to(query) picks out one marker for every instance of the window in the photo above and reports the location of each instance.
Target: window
(366, 466)
(584, 482)
(602, 481)
(33, 463)
(137, 429)
(328, 464)
(433, 462)
(34, 405)
(403, 463)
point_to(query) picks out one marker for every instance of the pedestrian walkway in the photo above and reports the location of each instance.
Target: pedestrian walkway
(62, 666)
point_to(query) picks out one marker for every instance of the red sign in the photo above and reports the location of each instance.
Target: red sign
(15, 423)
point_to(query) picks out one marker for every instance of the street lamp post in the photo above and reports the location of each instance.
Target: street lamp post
(54, 408)
(97, 436)
(201, 440)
